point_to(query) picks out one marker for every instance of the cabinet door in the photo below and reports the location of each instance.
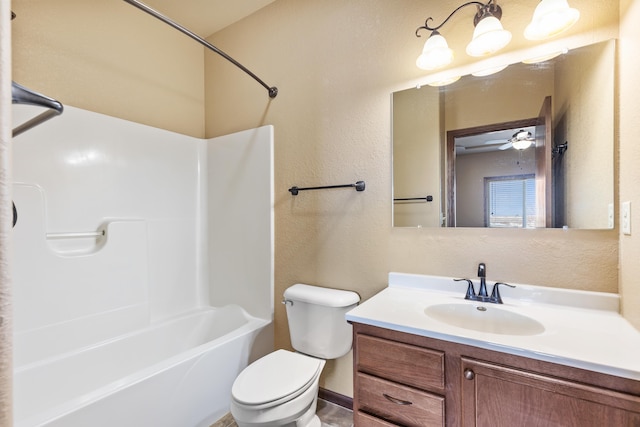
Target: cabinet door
(495, 396)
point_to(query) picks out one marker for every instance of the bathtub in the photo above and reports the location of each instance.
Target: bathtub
(175, 373)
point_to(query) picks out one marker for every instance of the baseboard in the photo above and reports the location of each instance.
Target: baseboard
(336, 398)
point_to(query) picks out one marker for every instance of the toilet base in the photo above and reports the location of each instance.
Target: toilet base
(314, 422)
(308, 419)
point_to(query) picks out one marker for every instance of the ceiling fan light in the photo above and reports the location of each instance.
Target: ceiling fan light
(488, 37)
(551, 18)
(522, 144)
(521, 140)
(435, 54)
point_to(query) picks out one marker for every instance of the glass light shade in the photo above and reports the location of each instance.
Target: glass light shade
(522, 144)
(551, 18)
(435, 54)
(488, 37)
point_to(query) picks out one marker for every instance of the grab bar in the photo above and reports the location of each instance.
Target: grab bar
(415, 199)
(359, 186)
(77, 235)
(273, 91)
(22, 95)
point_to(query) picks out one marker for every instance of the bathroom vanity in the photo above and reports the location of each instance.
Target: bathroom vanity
(414, 365)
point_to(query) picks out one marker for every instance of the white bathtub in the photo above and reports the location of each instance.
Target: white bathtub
(177, 373)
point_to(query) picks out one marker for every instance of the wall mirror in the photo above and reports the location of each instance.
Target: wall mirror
(531, 146)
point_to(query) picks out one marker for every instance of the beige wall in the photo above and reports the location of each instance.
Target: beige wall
(629, 122)
(110, 57)
(335, 64)
(416, 156)
(584, 99)
(467, 104)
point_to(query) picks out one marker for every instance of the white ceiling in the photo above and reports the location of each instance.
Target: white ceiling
(205, 17)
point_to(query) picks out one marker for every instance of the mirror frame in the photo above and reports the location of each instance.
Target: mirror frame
(450, 170)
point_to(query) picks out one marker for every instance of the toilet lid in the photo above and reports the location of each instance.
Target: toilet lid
(274, 376)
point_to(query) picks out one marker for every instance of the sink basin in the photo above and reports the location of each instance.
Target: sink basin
(484, 318)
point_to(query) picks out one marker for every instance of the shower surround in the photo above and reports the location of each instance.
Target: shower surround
(133, 246)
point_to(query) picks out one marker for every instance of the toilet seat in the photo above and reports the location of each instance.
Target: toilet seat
(275, 378)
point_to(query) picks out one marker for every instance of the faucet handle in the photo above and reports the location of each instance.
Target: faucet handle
(495, 294)
(471, 292)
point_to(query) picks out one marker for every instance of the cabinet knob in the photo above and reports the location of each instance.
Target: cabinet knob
(469, 374)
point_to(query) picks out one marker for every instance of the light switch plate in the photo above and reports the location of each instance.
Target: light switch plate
(626, 218)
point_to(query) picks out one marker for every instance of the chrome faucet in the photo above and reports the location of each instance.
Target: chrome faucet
(482, 294)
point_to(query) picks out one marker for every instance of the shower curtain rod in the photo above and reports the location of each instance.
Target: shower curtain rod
(273, 91)
(22, 95)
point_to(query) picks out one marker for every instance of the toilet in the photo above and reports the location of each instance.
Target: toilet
(281, 388)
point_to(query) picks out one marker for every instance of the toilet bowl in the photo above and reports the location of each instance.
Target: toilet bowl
(281, 388)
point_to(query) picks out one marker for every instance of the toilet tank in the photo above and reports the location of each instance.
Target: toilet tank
(317, 325)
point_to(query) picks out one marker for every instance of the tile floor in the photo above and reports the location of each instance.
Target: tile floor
(330, 414)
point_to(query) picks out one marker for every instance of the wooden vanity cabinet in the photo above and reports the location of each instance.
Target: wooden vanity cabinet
(495, 395)
(402, 379)
(393, 374)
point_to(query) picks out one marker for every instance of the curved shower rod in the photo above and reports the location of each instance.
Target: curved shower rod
(273, 91)
(22, 95)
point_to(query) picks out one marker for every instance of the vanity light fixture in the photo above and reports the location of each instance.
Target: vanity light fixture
(551, 18)
(435, 54)
(488, 36)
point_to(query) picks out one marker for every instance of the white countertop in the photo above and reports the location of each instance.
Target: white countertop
(581, 329)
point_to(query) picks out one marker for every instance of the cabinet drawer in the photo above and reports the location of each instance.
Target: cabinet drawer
(407, 364)
(397, 403)
(361, 419)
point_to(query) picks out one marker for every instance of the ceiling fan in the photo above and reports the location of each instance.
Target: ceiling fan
(520, 140)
